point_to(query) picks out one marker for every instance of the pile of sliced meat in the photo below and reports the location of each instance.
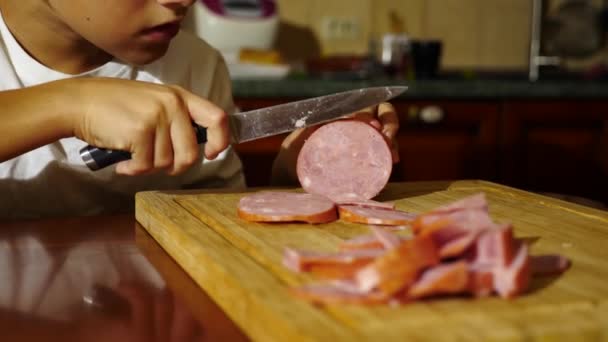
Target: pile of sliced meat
(455, 249)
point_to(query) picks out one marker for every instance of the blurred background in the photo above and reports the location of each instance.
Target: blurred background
(512, 91)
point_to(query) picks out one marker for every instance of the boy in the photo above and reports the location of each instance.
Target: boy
(117, 74)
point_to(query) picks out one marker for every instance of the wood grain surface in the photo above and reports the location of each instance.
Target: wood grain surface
(239, 264)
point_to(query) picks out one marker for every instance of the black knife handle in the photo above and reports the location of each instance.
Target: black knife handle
(97, 158)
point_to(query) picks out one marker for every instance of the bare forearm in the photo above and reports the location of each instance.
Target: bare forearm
(33, 117)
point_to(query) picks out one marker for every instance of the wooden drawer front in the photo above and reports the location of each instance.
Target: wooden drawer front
(557, 147)
(457, 140)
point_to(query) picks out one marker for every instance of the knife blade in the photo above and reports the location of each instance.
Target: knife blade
(265, 122)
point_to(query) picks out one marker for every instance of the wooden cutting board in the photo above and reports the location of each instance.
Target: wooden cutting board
(238, 264)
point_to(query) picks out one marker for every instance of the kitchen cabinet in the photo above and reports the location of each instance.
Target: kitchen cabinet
(447, 140)
(543, 145)
(556, 146)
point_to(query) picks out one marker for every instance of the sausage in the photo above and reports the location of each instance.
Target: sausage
(369, 204)
(515, 278)
(398, 268)
(300, 261)
(448, 278)
(336, 294)
(345, 160)
(496, 247)
(542, 265)
(369, 241)
(377, 216)
(276, 206)
(388, 239)
(456, 249)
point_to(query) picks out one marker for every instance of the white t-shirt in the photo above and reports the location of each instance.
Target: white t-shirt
(53, 180)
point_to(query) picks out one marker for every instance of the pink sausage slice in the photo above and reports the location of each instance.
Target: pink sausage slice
(387, 217)
(276, 206)
(346, 160)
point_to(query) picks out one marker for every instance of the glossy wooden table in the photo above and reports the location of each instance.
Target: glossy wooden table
(99, 279)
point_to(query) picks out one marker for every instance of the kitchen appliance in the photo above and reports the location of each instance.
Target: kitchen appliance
(575, 29)
(572, 20)
(230, 25)
(264, 122)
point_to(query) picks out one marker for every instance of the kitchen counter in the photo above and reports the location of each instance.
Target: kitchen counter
(427, 89)
(99, 278)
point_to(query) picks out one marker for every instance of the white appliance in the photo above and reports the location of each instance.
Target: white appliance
(229, 25)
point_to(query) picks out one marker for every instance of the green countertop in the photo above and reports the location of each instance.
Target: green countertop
(431, 89)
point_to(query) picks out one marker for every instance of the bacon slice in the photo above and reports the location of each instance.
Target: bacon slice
(335, 294)
(368, 204)
(481, 281)
(474, 202)
(514, 279)
(495, 248)
(469, 213)
(300, 261)
(388, 239)
(451, 278)
(377, 216)
(454, 238)
(338, 271)
(398, 268)
(473, 219)
(368, 241)
(544, 265)
(484, 258)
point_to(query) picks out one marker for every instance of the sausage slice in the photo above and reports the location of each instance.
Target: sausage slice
(346, 160)
(277, 206)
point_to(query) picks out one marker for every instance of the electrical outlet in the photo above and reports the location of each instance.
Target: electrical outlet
(340, 28)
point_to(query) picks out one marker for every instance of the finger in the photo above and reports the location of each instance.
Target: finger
(395, 151)
(185, 149)
(163, 147)
(367, 115)
(297, 138)
(217, 137)
(142, 156)
(389, 120)
(213, 118)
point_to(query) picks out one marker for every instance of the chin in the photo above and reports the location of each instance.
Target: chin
(145, 56)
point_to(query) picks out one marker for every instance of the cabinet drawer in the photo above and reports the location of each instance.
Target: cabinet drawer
(441, 140)
(557, 146)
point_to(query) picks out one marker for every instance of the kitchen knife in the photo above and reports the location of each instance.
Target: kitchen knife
(264, 122)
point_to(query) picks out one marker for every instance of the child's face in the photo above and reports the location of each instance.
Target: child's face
(134, 31)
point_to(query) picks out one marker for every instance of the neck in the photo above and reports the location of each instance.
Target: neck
(49, 40)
